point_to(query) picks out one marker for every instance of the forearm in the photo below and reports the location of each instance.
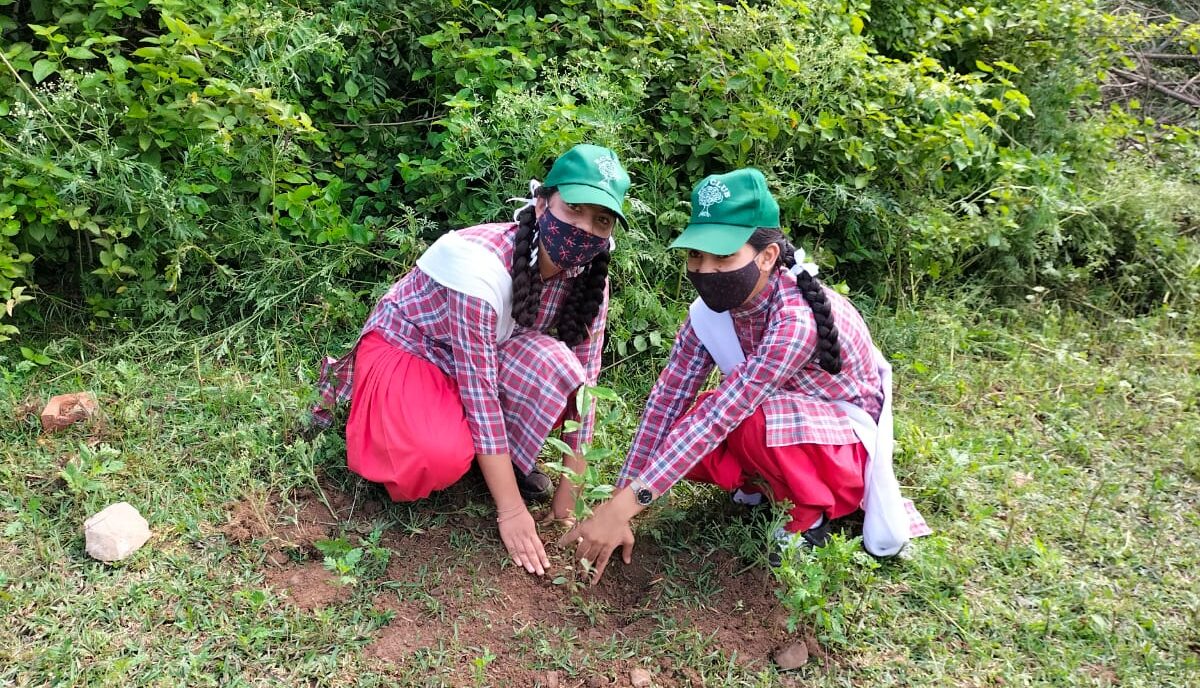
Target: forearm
(502, 483)
(623, 505)
(576, 463)
(517, 528)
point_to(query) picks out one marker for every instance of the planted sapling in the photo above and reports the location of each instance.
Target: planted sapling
(590, 487)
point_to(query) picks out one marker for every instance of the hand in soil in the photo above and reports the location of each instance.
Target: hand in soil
(563, 523)
(562, 507)
(598, 536)
(520, 538)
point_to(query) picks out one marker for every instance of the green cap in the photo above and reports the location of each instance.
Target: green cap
(726, 209)
(590, 174)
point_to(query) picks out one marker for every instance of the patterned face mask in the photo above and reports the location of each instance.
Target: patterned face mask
(721, 291)
(566, 245)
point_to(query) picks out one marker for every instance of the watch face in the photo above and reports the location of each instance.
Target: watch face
(644, 497)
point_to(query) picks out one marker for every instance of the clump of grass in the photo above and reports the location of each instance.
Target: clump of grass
(1049, 449)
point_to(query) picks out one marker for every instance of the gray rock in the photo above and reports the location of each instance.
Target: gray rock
(115, 532)
(640, 678)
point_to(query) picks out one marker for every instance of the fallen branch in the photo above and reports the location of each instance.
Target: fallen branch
(1168, 56)
(1181, 97)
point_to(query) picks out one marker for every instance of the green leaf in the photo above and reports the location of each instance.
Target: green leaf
(606, 393)
(983, 66)
(856, 25)
(560, 446)
(42, 69)
(80, 53)
(35, 357)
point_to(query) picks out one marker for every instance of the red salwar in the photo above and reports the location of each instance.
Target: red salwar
(408, 429)
(818, 479)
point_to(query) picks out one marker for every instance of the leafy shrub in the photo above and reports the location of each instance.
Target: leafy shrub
(213, 161)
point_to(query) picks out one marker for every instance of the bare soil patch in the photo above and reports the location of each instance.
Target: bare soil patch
(307, 585)
(448, 588)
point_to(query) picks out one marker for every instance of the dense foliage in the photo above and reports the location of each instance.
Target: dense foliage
(216, 160)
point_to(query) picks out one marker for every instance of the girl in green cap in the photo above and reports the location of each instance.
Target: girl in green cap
(476, 353)
(803, 411)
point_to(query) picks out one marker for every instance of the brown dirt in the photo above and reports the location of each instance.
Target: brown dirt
(1103, 675)
(247, 521)
(463, 597)
(298, 523)
(308, 585)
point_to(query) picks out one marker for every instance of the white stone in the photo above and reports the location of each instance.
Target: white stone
(115, 532)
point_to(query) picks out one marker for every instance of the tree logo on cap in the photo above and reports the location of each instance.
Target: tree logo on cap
(609, 167)
(711, 194)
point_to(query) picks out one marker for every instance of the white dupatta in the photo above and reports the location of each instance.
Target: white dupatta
(466, 267)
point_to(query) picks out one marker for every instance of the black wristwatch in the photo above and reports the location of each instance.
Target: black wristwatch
(641, 492)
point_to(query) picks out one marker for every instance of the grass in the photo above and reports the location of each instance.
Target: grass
(1056, 456)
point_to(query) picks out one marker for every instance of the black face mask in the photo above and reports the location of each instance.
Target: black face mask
(721, 291)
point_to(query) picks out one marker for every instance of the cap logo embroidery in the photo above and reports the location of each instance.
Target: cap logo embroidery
(714, 192)
(609, 168)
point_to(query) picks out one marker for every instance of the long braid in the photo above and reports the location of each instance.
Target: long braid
(829, 349)
(526, 284)
(582, 304)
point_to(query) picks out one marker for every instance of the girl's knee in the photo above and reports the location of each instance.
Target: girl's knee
(553, 363)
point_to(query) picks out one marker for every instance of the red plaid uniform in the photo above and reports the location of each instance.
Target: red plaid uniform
(501, 386)
(780, 376)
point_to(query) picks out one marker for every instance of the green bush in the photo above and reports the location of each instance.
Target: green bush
(216, 161)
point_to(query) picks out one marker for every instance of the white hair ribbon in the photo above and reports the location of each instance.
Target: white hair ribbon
(534, 185)
(809, 267)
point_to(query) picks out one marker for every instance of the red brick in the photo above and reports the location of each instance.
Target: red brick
(67, 409)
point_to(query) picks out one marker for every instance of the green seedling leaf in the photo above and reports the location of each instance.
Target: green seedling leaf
(35, 357)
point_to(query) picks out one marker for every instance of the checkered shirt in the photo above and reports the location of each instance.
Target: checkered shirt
(457, 333)
(780, 374)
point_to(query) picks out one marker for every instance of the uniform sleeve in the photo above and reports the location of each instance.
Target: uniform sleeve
(473, 340)
(786, 346)
(589, 354)
(676, 389)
